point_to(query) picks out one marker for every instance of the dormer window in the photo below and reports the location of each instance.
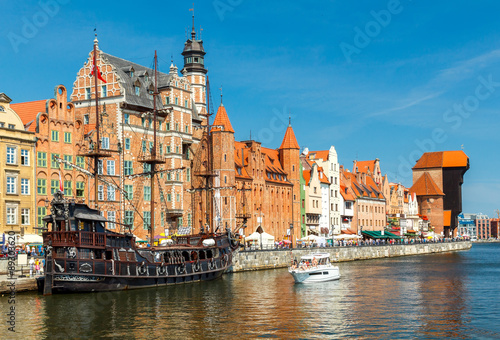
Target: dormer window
(131, 73)
(146, 77)
(137, 90)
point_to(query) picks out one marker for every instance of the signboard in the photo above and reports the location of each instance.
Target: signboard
(22, 259)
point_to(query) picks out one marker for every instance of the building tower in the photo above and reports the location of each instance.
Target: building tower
(222, 135)
(289, 153)
(194, 69)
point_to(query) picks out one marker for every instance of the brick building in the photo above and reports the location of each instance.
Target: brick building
(59, 134)
(126, 134)
(437, 182)
(259, 186)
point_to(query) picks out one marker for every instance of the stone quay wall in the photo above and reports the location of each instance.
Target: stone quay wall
(280, 258)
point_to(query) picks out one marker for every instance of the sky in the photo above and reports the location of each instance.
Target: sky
(376, 79)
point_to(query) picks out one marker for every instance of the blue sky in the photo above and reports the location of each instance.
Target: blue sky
(376, 79)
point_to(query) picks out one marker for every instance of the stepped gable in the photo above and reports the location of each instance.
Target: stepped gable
(221, 121)
(141, 76)
(425, 186)
(289, 141)
(442, 159)
(28, 111)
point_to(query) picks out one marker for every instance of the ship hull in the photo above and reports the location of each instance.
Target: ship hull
(85, 284)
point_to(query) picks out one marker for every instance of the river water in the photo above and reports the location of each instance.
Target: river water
(452, 295)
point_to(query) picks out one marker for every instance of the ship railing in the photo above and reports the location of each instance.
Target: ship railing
(76, 239)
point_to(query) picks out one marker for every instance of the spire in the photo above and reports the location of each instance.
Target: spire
(96, 42)
(193, 31)
(289, 141)
(221, 95)
(221, 121)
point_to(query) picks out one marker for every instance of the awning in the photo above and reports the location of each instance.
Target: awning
(447, 218)
(377, 234)
(411, 231)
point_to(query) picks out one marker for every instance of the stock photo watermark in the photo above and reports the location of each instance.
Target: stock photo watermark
(31, 25)
(223, 6)
(277, 124)
(455, 116)
(365, 34)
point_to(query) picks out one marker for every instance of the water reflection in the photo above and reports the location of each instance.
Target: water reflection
(444, 295)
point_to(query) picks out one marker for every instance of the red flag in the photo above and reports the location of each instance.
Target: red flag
(60, 181)
(99, 75)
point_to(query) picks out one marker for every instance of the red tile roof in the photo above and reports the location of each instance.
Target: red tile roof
(323, 154)
(425, 186)
(363, 166)
(289, 141)
(221, 119)
(273, 165)
(28, 111)
(442, 159)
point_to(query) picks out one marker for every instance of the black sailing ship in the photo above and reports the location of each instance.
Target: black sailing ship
(82, 255)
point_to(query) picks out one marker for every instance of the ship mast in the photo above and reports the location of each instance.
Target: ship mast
(153, 158)
(153, 154)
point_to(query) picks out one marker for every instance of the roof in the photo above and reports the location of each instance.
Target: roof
(122, 69)
(221, 121)
(446, 218)
(323, 154)
(363, 166)
(425, 186)
(273, 166)
(442, 159)
(289, 141)
(28, 111)
(238, 160)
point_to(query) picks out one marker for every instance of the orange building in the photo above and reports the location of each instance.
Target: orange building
(437, 182)
(59, 132)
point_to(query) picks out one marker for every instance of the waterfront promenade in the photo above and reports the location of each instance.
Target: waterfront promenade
(280, 258)
(248, 260)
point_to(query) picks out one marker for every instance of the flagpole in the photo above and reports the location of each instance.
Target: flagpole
(98, 140)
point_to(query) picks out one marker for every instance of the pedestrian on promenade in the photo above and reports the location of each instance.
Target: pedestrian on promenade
(32, 266)
(37, 267)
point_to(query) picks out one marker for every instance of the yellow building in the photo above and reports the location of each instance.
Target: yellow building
(17, 196)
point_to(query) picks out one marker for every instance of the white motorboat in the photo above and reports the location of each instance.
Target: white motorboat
(314, 268)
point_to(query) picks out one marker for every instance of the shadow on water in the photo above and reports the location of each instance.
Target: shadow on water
(452, 295)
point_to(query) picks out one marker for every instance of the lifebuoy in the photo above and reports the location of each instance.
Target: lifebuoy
(142, 268)
(196, 266)
(162, 269)
(181, 269)
(224, 260)
(211, 264)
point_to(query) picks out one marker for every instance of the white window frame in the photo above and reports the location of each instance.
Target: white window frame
(110, 193)
(25, 216)
(25, 187)
(110, 167)
(25, 157)
(105, 143)
(100, 192)
(11, 153)
(11, 215)
(111, 217)
(11, 187)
